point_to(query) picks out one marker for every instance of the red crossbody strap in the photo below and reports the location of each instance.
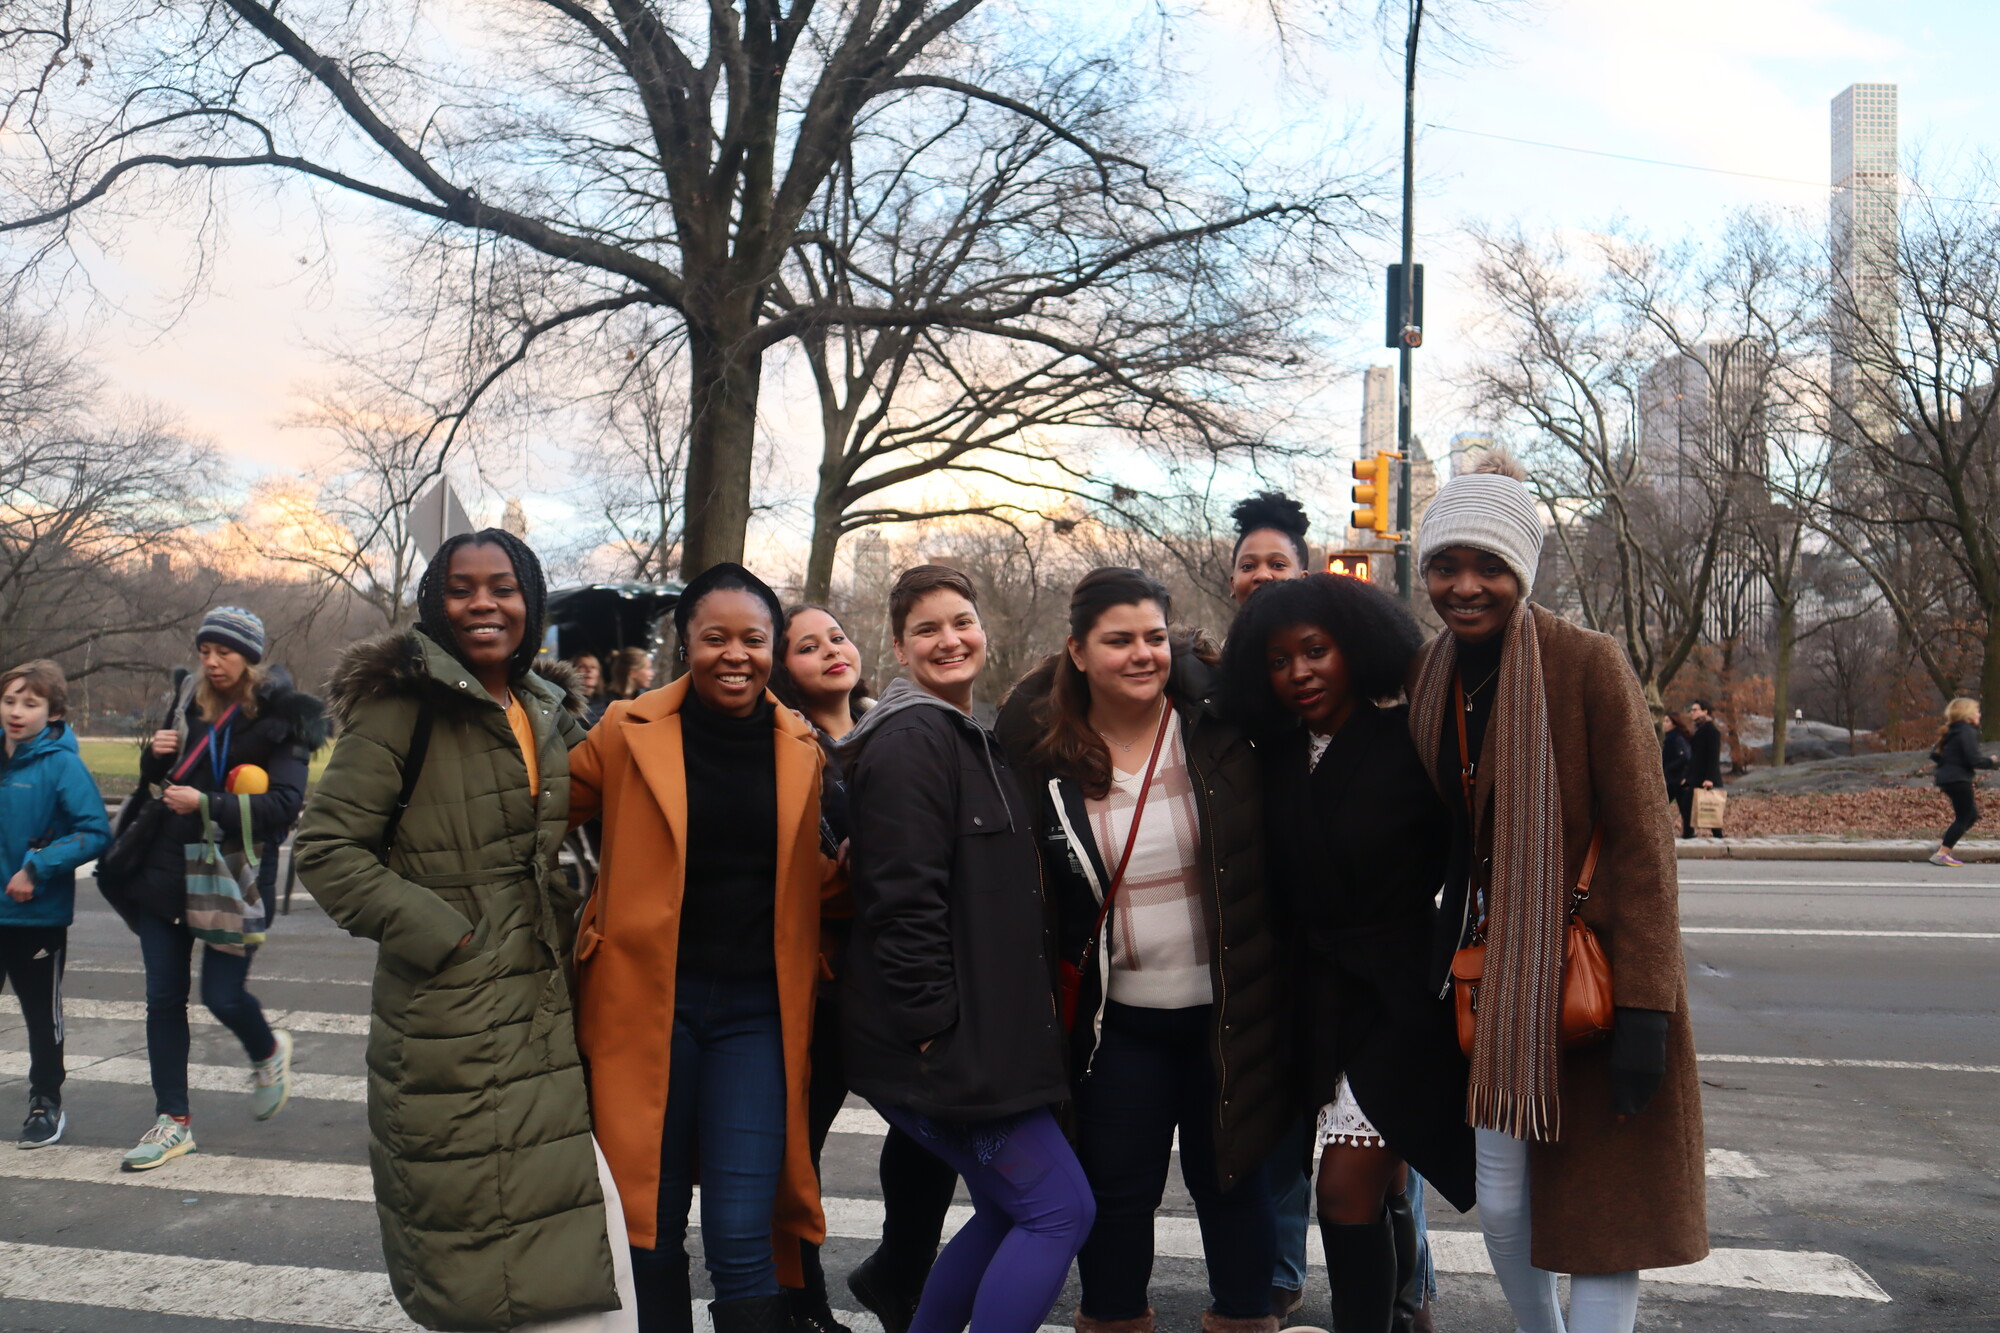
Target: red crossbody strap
(1138, 813)
(181, 770)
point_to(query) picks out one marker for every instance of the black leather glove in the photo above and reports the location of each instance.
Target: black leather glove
(1638, 1058)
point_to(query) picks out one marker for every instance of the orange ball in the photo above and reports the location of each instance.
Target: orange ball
(248, 780)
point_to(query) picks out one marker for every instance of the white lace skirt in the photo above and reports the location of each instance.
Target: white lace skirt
(1342, 1123)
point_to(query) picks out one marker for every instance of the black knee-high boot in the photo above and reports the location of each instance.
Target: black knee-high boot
(660, 1279)
(1409, 1287)
(1361, 1270)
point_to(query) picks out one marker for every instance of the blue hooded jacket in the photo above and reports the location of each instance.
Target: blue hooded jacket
(47, 796)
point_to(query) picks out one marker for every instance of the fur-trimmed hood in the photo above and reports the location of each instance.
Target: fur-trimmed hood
(404, 662)
(303, 715)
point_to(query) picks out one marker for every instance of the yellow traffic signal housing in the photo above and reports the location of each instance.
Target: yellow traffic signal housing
(1372, 498)
(1353, 564)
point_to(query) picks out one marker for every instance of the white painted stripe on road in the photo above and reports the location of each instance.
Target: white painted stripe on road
(1816, 1062)
(1727, 1164)
(212, 1289)
(134, 970)
(205, 1078)
(1811, 1273)
(1846, 934)
(296, 1020)
(1947, 883)
(196, 1173)
(1798, 1272)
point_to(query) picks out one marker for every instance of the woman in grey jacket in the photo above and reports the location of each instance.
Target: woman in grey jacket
(1957, 755)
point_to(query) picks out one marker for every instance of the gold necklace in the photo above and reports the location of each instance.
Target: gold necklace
(1126, 746)
(1469, 694)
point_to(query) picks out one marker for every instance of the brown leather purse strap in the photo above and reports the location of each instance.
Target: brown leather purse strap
(1589, 869)
(1138, 813)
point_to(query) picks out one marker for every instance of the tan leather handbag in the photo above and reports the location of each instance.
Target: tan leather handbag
(1587, 1010)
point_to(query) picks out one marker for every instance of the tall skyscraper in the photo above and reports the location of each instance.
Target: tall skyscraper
(1378, 409)
(1863, 227)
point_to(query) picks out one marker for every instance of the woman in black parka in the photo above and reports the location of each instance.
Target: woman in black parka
(1958, 756)
(233, 713)
(1357, 844)
(949, 990)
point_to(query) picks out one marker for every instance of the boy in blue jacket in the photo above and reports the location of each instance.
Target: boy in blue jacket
(51, 821)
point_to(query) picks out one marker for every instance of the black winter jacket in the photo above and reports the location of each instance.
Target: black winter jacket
(1249, 1033)
(1359, 847)
(1676, 762)
(1958, 754)
(950, 939)
(1706, 744)
(290, 724)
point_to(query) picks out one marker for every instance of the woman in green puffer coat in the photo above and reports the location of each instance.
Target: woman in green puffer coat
(487, 1184)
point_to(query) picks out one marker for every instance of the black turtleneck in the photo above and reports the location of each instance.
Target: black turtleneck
(728, 909)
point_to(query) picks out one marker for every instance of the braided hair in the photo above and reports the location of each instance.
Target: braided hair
(436, 625)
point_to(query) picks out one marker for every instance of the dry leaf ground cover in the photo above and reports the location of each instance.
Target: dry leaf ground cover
(1887, 812)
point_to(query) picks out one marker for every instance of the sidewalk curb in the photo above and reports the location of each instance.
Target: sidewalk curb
(1774, 849)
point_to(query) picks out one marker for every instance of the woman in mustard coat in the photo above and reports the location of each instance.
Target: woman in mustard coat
(706, 922)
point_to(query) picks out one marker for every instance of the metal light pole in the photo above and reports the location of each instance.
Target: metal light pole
(1410, 333)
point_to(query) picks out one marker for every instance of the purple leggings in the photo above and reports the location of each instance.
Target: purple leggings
(1031, 1211)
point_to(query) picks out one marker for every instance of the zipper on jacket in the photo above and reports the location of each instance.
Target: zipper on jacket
(1101, 943)
(1202, 795)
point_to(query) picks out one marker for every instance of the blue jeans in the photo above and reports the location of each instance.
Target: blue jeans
(726, 1125)
(1031, 1209)
(1287, 1176)
(1153, 1072)
(168, 950)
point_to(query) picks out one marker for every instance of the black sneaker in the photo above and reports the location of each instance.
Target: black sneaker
(44, 1124)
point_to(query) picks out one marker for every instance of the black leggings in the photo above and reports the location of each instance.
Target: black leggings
(1965, 811)
(31, 960)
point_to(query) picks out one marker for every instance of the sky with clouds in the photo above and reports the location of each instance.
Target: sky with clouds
(1738, 85)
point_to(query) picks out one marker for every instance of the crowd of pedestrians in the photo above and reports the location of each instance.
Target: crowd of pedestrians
(1186, 899)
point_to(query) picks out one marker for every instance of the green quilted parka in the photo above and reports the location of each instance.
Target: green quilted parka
(479, 1125)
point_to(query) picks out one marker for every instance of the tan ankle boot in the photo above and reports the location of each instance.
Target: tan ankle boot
(1211, 1322)
(1085, 1324)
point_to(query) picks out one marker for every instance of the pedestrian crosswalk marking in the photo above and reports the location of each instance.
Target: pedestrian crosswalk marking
(136, 970)
(1846, 934)
(296, 1020)
(197, 1173)
(201, 1078)
(1830, 1062)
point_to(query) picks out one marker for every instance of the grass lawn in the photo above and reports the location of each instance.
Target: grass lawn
(114, 762)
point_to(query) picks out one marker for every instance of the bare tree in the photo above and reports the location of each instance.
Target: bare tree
(91, 507)
(624, 155)
(1914, 426)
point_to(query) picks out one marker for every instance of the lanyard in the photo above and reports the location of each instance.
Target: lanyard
(216, 749)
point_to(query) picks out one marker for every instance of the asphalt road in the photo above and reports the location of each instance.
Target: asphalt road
(1845, 1013)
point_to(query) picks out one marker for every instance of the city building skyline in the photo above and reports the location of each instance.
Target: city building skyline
(1863, 236)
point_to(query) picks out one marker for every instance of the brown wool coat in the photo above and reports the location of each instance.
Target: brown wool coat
(630, 772)
(1612, 1197)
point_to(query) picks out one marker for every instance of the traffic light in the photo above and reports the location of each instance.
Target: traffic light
(1354, 564)
(1372, 498)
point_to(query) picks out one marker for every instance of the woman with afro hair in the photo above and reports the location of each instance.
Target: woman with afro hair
(1357, 840)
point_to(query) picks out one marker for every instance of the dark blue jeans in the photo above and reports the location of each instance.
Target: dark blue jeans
(726, 1125)
(1152, 1072)
(168, 950)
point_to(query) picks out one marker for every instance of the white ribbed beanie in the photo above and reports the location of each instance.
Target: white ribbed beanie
(1488, 511)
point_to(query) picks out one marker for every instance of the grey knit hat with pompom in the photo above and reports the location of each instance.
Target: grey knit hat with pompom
(1488, 508)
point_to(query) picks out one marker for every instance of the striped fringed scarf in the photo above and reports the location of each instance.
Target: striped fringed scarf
(1517, 1047)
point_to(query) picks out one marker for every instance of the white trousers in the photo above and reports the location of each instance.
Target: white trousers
(625, 1320)
(1598, 1302)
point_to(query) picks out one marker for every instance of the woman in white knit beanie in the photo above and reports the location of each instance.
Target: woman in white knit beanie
(1590, 1159)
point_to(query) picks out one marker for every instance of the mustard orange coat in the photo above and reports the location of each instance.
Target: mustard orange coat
(631, 772)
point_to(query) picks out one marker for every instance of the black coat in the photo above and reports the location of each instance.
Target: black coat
(1958, 754)
(1707, 746)
(950, 939)
(290, 724)
(1676, 762)
(1359, 847)
(1249, 1032)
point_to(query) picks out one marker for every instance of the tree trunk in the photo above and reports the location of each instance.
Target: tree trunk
(1989, 681)
(723, 379)
(1781, 681)
(825, 545)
